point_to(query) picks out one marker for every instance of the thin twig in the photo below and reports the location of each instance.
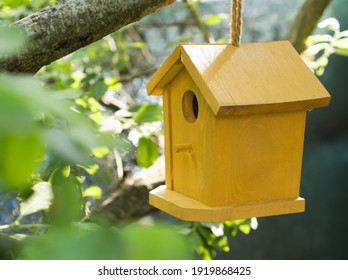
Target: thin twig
(23, 226)
(198, 20)
(305, 22)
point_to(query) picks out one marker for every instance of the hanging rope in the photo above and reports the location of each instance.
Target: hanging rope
(236, 22)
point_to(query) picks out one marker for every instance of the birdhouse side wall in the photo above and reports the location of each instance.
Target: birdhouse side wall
(256, 158)
(189, 134)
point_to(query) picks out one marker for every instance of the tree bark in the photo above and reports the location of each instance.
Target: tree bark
(305, 22)
(68, 25)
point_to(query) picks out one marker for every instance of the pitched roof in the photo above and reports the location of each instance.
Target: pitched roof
(252, 78)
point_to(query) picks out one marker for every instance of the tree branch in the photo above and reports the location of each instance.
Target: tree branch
(130, 200)
(68, 25)
(305, 22)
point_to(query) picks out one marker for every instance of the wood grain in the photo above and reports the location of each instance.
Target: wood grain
(249, 79)
(189, 209)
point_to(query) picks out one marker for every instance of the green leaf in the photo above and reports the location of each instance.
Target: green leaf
(98, 89)
(75, 242)
(344, 33)
(156, 243)
(222, 244)
(93, 192)
(41, 199)
(100, 152)
(66, 94)
(319, 39)
(215, 19)
(245, 228)
(88, 241)
(147, 152)
(68, 202)
(91, 169)
(12, 40)
(136, 45)
(63, 144)
(343, 52)
(38, 4)
(342, 43)
(148, 113)
(19, 156)
(315, 49)
(15, 3)
(330, 23)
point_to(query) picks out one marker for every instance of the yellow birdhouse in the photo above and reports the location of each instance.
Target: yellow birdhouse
(234, 122)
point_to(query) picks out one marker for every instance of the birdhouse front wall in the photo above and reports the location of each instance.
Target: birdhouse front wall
(188, 138)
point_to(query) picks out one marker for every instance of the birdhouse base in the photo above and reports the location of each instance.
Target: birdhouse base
(189, 209)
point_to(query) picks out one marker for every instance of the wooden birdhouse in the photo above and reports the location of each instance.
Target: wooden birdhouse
(234, 122)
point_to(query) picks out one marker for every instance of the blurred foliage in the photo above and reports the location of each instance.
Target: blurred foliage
(321, 46)
(57, 131)
(88, 241)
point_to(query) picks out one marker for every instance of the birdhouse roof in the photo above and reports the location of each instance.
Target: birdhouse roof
(252, 78)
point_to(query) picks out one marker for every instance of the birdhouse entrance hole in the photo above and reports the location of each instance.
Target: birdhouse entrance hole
(190, 106)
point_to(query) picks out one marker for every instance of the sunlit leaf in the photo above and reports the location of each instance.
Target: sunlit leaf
(320, 38)
(222, 244)
(322, 61)
(330, 23)
(147, 152)
(19, 156)
(81, 102)
(148, 113)
(15, 3)
(93, 104)
(66, 171)
(41, 199)
(98, 89)
(100, 152)
(97, 117)
(342, 43)
(245, 228)
(344, 33)
(343, 52)
(67, 205)
(215, 19)
(315, 49)
(93, 192)
(137, 45)
(91, 169)
(216, 228)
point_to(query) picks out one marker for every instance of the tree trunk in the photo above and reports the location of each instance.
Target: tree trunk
(305, 22)
(68, 25)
